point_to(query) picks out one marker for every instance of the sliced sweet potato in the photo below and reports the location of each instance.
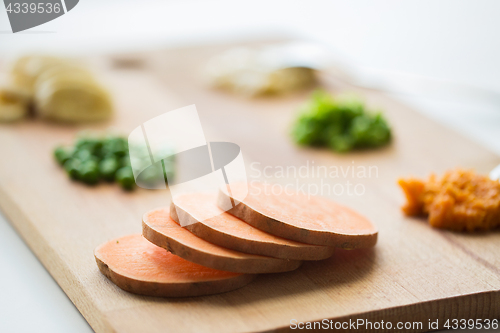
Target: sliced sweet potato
(160, 229)
(307, 219)
(207, 221)
(140, 267)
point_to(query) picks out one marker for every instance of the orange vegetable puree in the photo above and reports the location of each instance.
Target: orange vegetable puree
(461, 200)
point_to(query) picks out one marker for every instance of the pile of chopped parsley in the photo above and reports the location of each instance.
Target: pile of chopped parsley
(342, 124)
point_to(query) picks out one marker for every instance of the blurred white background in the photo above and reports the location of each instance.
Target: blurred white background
(450, 39)
(447, 41)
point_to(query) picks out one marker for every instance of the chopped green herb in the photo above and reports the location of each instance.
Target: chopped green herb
(108, 167)
(93, 159)
(89, 172)
(342, 124)
(125, 178)
(71, 166)
(62, 154)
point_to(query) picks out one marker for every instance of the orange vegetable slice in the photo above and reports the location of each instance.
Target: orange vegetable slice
(140, 267)
(207, 221)
(303, 218)
(160, 229)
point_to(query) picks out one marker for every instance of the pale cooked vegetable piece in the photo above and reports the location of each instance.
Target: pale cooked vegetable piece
(256, 71)
(26, 70)
(139, 267)
(204, 219)
(13, 105)
(163, 231)
(65, 73)
(61, 90)
(303, 218)
(68, 100)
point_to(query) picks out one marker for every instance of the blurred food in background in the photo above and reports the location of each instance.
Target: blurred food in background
(14, 104)
(341, 124)
(258, 71)
(53, 89)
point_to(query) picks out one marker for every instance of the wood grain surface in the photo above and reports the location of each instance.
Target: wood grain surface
(415, 273)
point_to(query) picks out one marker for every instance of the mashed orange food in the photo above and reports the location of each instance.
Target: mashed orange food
(461, 200)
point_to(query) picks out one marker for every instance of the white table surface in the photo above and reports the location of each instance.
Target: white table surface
(452, 40)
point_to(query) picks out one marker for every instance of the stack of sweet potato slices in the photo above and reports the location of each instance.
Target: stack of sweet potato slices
(219, 251)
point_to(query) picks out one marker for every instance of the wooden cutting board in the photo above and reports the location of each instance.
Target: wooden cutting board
(415, 273)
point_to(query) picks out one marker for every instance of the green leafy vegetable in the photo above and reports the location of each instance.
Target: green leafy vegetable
(89, 171)
(62, 154)
(93, 159)
(108, 167)
(71, 166)
(342, 124)
(125, 178)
